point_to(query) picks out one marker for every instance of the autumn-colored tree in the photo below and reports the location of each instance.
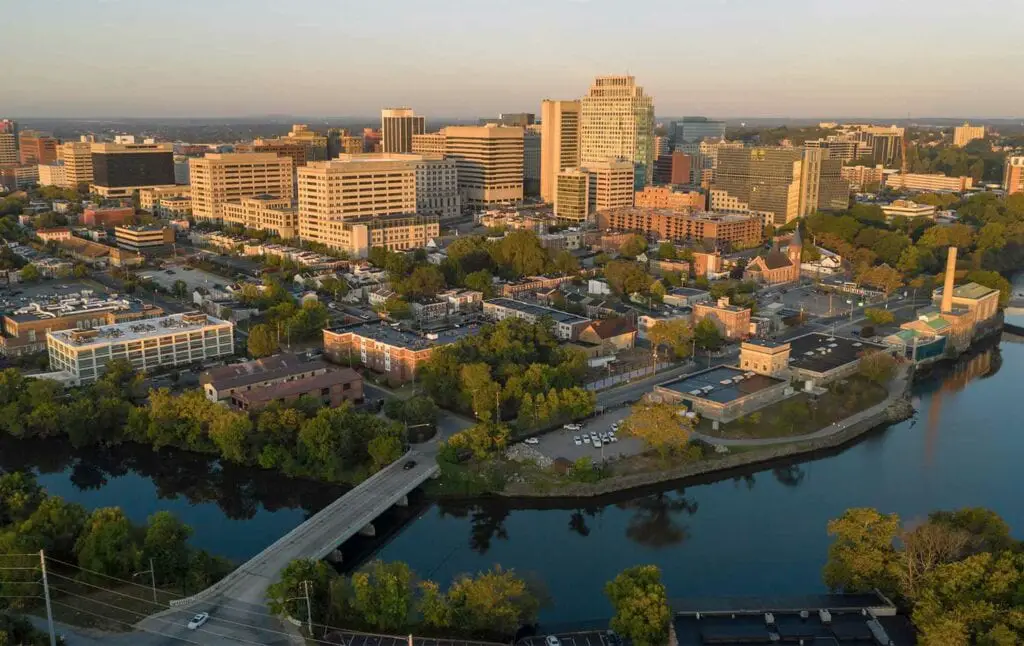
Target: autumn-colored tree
(663, 427)
(878, 366)
(640, 603)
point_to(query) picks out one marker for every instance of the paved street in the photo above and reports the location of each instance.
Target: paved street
(588, 638)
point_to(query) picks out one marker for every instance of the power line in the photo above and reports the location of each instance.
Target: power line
(20, 568)
(124, 623)
(79, 567)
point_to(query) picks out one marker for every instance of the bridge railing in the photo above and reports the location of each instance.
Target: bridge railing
(221, 585)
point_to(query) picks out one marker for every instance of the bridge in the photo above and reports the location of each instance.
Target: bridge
(316, 539)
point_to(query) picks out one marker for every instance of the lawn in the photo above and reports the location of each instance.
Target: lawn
(802, 413)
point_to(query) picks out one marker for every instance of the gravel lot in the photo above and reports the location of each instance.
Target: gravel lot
(560, 444)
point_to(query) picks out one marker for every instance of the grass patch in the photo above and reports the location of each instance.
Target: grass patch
(115, 609)
(803, 413)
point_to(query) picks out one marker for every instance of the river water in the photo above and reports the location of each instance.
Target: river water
(755, 532)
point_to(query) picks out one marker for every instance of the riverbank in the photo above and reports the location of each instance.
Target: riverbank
(894, 408)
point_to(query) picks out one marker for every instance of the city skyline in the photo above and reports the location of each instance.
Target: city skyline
(737, 58)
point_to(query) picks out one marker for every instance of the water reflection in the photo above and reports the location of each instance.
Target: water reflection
(238, 491)
(487, 521)
(658, 520)
(978, 364)
(790, 476)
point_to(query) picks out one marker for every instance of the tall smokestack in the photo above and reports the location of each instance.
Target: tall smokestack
(947, 288)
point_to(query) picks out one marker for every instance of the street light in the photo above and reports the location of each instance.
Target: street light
(152, 578)
(309, 606)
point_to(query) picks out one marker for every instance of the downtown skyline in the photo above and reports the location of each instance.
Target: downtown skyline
(193, 59)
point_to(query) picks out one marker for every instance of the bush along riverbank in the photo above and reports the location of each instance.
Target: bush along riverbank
(338, 445)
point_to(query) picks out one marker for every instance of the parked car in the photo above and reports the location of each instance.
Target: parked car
(577, 441)
(586, 438)
(198, 620)
(615, 426)
(573, 427)
(612, 438)
(597, 444)
(551, 640)
(531, 441)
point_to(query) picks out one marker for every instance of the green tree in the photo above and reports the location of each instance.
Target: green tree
(481, 281)
(397, 308)
(180, 289)
(383, 450)
(20, 494)
(433, 606)
(707, 335)
(30, 273)
(382, 595)
(54, 525)
(640, 604)
(879, 316)
(878, 366)
(862, 555)
(496, 602)
(565, 263)
(106, 544)
(166, 542)
(425, 281)
(633, 246)
(262, 341)
(627, 277)
(662, 427)
(667, 251)
(674, 334)
(286, 596)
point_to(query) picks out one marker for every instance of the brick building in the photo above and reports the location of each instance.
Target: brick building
(386, 350)
(684, 227)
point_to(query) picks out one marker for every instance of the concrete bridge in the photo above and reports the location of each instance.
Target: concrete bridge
(316, 539)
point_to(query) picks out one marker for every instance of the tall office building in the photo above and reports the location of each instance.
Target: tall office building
(397, 126)
(1013, 175)
(218, 178)
(121, 169)
(353, 186)
(36, 147)
(693, 130)
(573, 195)
(489, 161)
(437, 186)
(763, 180)
(674, 168)
(8, 148)
(965, 134)
(531, 161)
(8, 127)
(883, 143)
(559, 142)
(833, 188)
(617, 122)
(429, 143)
(611, 184)
(77, 158)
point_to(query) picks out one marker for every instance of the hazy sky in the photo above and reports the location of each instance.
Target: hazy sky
(726, 58)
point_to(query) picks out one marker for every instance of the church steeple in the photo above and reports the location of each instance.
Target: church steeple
(796, 247)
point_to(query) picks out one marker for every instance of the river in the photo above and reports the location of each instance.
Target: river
(759, 532)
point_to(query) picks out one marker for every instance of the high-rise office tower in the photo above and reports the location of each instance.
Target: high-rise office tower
(764, 180)
(1013, 175)
(36, 147)
(218, 178)
(397, 126)
(335, 136)
(77, 158)
(573, 195)
(121, 169)
(489, 161)
(531, 161)
(8, 127)
(559, 143)
(693, 130)
(965, 134)
(617, 122)
(8, 142)
(611, 184)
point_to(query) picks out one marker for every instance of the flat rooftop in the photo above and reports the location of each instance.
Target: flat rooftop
(72, 305)
(136, 330)
(688, 291)
(538, 310)
(821, 352)
(972, 291)
(738, 384)
(409, 340)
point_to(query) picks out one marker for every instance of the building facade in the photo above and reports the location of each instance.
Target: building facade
(278, 215)
(566, 326)
(732, 321)
(559, 144)
(697, 129)
(178, 339)
(437, 187)
(489, 160)
(52, 175)
(965, 134)
(617, 123)
(663, 197)
(388, 351)
(680, 226)
(148, 239)
(673, 168)
(572, 195)
(862, 177)
(150, 198)
(8, 148)
(1013, 175)
(36, 148)
(931, 182)
(121, 169)
(429, 143)
(219, 178)
(762, 179)
(397, 127)
(611, 185)
(402, 232)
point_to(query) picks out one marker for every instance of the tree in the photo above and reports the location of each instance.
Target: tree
(166, 542)
(433, 606)
(675, 334)
(566, 263)
(30, 273)
(483, 391)
(878, 366)
(54, 525)
(481, 281)
(262, 341)
(641, 607)
(496, 602)
(662, 427)
(707, 335)
(383, 450)
(633, 246)
(667, 251)
(879, 316)
(286, 597)
(627, 277)
(382, 595)
(180, 289)
(106, 544)
(425, 281)
(862, 555)
(910, 261)
(397, 308)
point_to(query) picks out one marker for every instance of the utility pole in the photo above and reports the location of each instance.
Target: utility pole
(309, 607)
(152, 578)
(46, 596)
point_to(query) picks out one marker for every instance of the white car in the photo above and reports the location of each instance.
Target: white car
(586, 438)
(551, 640)
(531, 441)
(573, 427)
(612, 438)
(597, 444)
(577, 441)
(615, 426)
(198, 620)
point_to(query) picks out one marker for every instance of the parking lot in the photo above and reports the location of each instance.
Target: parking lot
(193, 278)
(560, 443)
(589, 638)
(354, 639)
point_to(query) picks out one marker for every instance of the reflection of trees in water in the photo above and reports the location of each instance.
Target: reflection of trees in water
(790, 476)
(488, 521)
(238, 490)
(656, 521)
(578, 519)
(747, 479)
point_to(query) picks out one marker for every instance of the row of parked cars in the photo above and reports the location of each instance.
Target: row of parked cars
(593, 438)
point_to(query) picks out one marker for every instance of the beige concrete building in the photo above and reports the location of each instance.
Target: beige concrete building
(611, 184)
(77, 158)
(437, 186)
(489, 161)
(8, 148)
(52, 175)
(393, 232)
(861, 177)
(278, 215)
(150, 198)
(559, 143)
(930, 182)
(397, 127)
(219, 178)
(353, 186)
(175, 207)
(352, 145)
(663, 197)
(965, 134)
(572, 195)
(617, 122)
(760, 179)
(1013, 175)
(147, 239)
(429, 143)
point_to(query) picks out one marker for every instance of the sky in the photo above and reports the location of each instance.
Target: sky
(469, 58)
